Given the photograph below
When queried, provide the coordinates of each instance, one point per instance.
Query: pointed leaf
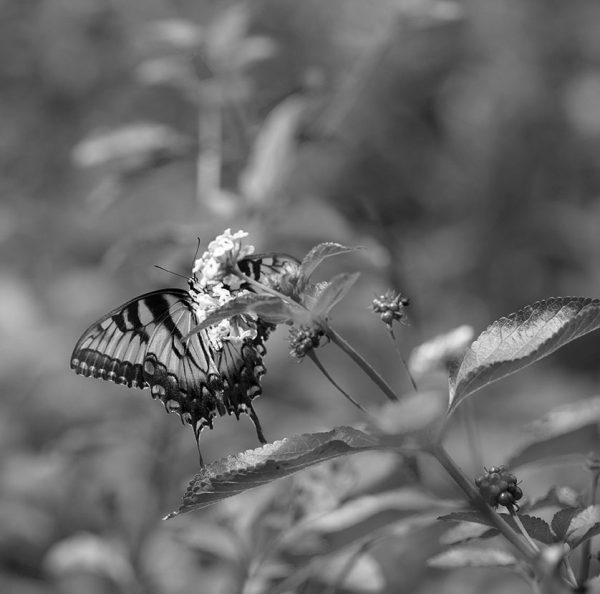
(585, 525)
(235, 474)
(536, 527)
(401, 502)
(270, 309)
(334, 292)
(466, 531)
(521, 339)
(560, 432)
(561, 521)
(472, 557)
(319, 253)
(561, 496)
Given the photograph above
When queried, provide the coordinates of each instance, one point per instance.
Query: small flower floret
(215, 282)
(218, 264)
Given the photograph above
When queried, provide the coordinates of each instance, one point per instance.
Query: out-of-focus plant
(540, 552)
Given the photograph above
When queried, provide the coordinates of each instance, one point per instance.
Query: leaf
(521, 339)
(235, 474)
(413, 414)
(273, 153)
(352, 572)
(536, 527)
(179, 34)
(465, 531)
(561, 496)
(472, 557)
(584, 525)
(131, 148)
(271, 309)
(319, 253)
(334, 292)
(562, 519)
(404, 501)
(560, 432)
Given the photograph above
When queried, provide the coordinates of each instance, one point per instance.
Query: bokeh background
(457, 142)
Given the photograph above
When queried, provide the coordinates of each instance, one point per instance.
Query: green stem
(586, 550)
(478, 503)
(395, 342)
(521, 528)
(313, 357)
(361, 362)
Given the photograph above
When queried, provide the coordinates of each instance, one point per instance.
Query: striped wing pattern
(140, 344)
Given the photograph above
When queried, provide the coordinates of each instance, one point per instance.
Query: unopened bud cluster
(390, 307)
(303, 340)
(499, 487)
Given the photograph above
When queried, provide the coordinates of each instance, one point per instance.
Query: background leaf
(235, 474)
(536, 527)
(584, 525)
(561, 432)
(319, 253)
(521, 339)
(472, 557)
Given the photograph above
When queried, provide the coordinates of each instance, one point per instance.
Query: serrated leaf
(521, 339)
(472, 557)
(235, 474)
(536, 527)
(335, 290)
(561, 521)
(584, 525)
(270, 309)
(560, 432)
(319, 253)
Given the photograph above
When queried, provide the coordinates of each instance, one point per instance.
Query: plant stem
(313, 357)
(395, 342)
(472, 434)
(586, 550)
(473, 496)
(524, 532)
(361, 362)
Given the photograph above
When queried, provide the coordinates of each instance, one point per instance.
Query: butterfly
(144, 344)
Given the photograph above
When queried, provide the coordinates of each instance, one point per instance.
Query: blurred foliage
(457, 141)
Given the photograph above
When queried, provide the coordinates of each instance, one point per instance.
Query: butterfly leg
(197, 436)
(255, 420)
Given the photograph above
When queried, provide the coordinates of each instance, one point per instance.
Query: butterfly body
(141, 344)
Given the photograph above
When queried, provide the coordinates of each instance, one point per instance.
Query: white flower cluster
(215, 265)
(217, 283)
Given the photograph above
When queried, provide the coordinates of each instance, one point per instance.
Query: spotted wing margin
(140, 344)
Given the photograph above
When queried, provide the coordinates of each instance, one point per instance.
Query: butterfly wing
(140, 344)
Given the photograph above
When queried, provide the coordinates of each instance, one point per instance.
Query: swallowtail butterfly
(141, 344)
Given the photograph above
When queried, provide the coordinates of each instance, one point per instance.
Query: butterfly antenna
(170, 271)
(255, 420)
